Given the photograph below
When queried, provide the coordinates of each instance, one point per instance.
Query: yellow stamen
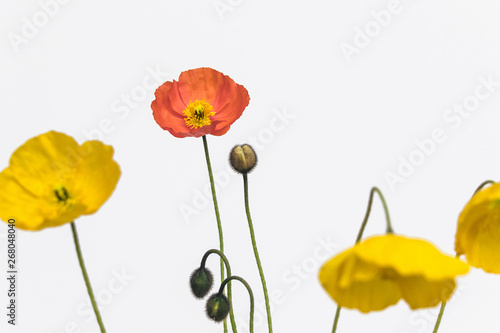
(198, 114)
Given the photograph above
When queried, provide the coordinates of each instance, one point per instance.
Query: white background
(327, 125)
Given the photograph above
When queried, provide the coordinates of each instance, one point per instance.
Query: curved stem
(228, 270)
(217, 215)
(256, 253)
(389, 229)
(483, 184)
(336, 320)
(86, 277)
(250, 293)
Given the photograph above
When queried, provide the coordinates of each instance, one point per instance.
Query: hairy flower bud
(218, 307)
(243, 158)
(201, 282)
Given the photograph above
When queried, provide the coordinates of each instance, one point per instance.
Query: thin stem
(228, 270)
(86, 277)
(440, 316)
(256, 253)
(389, 229)
(217, 215)
(336, 320)
(483, 184)
(250, 293)
(443, 304)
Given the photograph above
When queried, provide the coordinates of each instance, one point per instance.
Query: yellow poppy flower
(52, 180)
(380, 270)
(478, 230)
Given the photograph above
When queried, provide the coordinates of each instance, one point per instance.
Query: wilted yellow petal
(380, 270)
(355, 284)
(410, 256)
(419, 292)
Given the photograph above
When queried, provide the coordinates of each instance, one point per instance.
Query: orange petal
(232, 111)
(201, 83)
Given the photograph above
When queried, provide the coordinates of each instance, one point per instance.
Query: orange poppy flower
(203, 101)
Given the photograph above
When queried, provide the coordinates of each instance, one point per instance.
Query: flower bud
(201, 282)
(218, 307)
(243, 158)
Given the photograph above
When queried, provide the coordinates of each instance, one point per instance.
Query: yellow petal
(419, 292)
(484, 251)
(52, 180)
(410, 256)
(380, 270)
(358, 285)
(45, 160)
(478, 230)
(96, 177)
(18, 204)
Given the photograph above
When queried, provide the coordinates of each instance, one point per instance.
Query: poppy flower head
(203, 101)
(381, 270)
(52, 180)
(478, 230)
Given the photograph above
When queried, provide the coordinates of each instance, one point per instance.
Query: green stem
(250, 293)
(483, 184)
(389, 230)
(256, 253)
(217, 215)
(440, 316)
(86, 277)
(443, 304)
(229, 292)
(336, 320)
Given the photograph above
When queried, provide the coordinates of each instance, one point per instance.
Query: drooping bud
(201, 282)
(243, 158)
(218, 307)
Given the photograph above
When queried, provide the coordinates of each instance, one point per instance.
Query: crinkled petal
(96, 177)
(374, 295)
(478, 230)
(19, 204)
(45, 160)
(203, 83)
(410, 256)
(232, 111)
(355, 284)
(484, 251)
(420, 293)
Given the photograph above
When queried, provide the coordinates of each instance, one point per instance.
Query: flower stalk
(389, 230)
(86, 278)
(229, 289)
(256, 253)
(217, 215)
(250, 294)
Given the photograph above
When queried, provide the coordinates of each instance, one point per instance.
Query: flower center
(62, 195)
(197, 114)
